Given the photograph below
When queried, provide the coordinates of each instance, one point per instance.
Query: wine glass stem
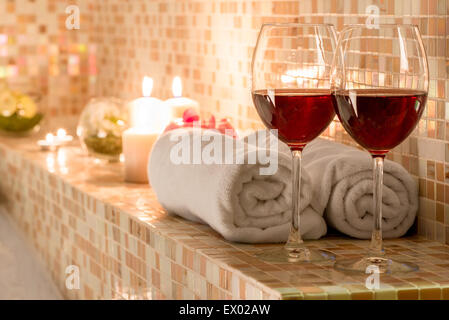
(295, 239)
(376, 248)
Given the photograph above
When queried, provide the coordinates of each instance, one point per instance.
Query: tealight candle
(50, 143)
(149, 117)
(62, 136)
(53, 142)
(178, 104)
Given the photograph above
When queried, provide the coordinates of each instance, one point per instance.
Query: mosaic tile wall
(38, 54)
(209, 44)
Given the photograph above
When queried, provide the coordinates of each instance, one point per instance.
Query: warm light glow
(50, 138)
(141, 204)
(102, 134)
(62, 158)
(62, 161)
(177, 87)
(147, 86)
(302, 76)
(51, 142)
(332, 129)
(61, 134)
(50, 160)
(353, 98)
(147, 112)
(319, 50)
(403, 51)
(150, 114)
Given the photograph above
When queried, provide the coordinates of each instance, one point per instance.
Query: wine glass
(380, 84)
(291, 70)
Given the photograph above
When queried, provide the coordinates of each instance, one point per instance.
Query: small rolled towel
(342, 180)
(236, 200)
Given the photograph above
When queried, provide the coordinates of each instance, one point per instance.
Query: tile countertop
(78, 211)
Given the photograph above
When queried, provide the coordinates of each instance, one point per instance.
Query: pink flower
(190, 118)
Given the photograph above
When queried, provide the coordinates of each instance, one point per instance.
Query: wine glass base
(297, 255)
(384, 265)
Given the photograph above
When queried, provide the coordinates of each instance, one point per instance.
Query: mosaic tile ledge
(78, 211)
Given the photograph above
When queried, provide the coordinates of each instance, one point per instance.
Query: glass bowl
(19, 112)
(101, 127)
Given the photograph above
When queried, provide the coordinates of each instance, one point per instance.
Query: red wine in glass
(299, 115)
(379, 119)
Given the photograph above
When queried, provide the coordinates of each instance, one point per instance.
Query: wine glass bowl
(379, 85)
(380, 119)
(291, 91)
(299, 115)
(291, 80)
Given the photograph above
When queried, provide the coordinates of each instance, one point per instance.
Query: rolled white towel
(236, 200)
(342, 181)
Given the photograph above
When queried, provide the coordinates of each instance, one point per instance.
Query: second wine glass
(380, 81)
(291, 92)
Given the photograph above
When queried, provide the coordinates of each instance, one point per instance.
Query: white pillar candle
(149, 117)
(178, 104)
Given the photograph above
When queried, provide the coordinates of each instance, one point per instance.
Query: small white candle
(62, 136)
(49, 144)
(149, 117)
(178, 104)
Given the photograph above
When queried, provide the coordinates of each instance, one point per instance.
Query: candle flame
(61, 133)
(147, 86)
(49, 138)
(177, 87)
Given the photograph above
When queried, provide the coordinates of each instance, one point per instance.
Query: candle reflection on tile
(62, 161)
(50, 160)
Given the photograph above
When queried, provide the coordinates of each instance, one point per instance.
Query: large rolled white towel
(342, 181)
(236, 200)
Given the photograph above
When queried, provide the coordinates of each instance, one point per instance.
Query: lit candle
(50, 143)
(179, 104)
(149, 117)
(62, 136)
